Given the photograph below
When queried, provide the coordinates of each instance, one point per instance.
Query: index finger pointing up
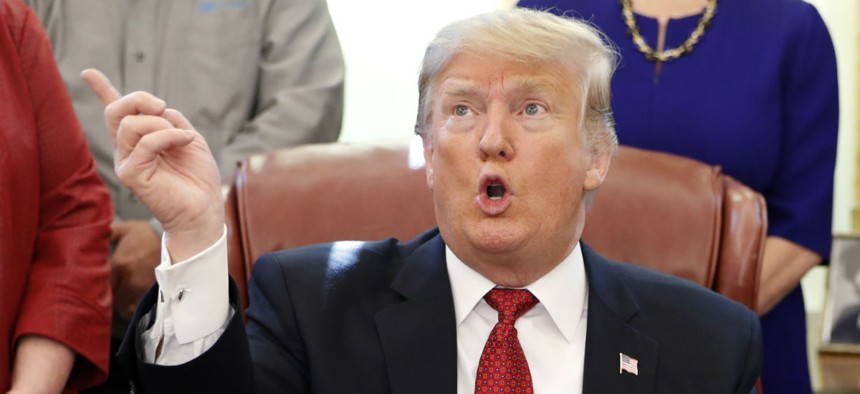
(100, 85)
(117, 107)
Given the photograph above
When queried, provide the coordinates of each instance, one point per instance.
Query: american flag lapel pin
(627, 364)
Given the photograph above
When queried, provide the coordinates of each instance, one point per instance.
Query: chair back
(665, 212)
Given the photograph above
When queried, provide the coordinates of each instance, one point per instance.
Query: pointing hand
(166, 163)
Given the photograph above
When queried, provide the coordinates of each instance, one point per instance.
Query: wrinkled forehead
(469, 74)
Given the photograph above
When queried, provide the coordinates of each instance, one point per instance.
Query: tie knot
(510, 303)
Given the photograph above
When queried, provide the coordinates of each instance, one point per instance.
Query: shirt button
(139, 56)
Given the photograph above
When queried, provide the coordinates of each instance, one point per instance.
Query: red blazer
(55, 212)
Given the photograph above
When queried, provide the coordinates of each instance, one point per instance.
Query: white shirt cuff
(197, 291)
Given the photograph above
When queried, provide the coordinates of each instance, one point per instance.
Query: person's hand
(161, 158)
(136, 253)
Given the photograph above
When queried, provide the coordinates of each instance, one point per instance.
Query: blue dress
(758, 96)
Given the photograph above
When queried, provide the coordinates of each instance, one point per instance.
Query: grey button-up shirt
(250, 75)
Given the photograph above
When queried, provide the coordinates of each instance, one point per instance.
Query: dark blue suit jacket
(378, 317)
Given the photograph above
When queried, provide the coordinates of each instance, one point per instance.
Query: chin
(495, 236)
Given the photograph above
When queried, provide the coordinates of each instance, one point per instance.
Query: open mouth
(495, 191)
(494, 196)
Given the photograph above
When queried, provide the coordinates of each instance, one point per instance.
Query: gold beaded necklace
(668, 54)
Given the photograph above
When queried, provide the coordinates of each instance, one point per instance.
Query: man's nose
(496, 141)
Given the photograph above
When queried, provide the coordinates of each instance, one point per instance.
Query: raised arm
(167, 164)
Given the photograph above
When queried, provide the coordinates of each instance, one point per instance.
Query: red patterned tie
(503, 367)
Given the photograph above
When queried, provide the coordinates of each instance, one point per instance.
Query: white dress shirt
(552, 333)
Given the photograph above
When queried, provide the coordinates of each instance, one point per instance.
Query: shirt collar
(563, 291)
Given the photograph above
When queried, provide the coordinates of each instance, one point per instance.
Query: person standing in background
(253, 75)
(750, 86)
(55, 215)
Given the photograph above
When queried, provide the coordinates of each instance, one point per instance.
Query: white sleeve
(193, 306)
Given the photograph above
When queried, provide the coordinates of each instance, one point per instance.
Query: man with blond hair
(502, 297)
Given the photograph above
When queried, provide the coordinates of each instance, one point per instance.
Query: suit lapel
(611, 309)
(418, 335)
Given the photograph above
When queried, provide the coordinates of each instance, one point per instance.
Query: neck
(668, 9)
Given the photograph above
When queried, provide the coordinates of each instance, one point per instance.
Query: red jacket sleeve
(67, 295)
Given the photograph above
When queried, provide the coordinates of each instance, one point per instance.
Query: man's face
(506, 161)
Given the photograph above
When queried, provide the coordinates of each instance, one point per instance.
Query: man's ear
(597, 170)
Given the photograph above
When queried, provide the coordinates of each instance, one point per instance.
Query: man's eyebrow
(461, 88)
(531, 86)
(518, 86)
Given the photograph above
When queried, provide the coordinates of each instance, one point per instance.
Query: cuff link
(178, 296)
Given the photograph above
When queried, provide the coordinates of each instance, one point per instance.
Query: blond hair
(524, 35)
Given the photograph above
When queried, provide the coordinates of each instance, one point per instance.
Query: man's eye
(461, 110)
(532, 109)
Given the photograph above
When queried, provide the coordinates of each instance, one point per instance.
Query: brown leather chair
(662, 211)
